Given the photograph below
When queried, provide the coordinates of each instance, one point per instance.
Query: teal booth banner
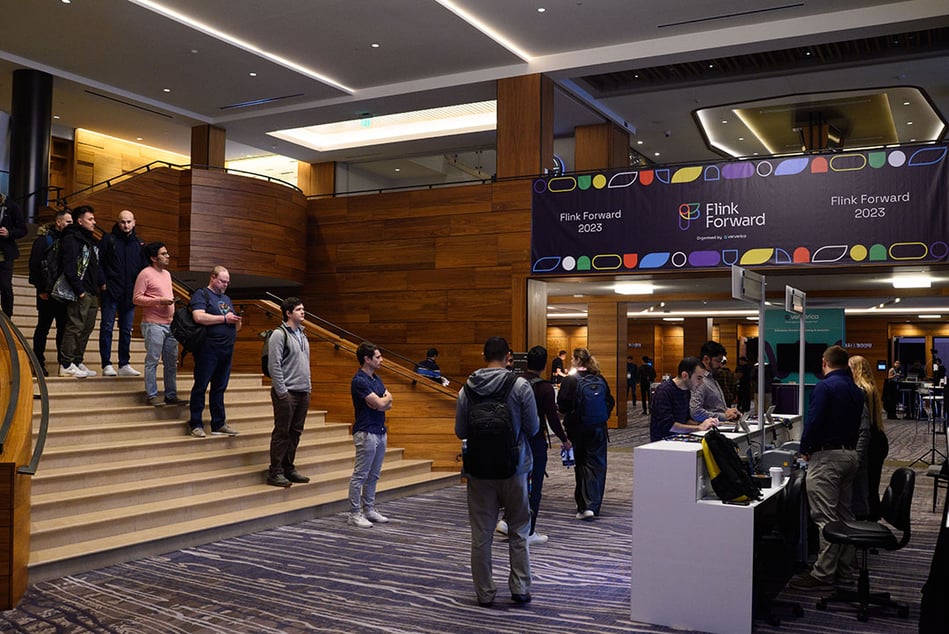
(782, 335)
(876, 206)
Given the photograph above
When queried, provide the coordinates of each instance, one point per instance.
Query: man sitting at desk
(670, 403)
(708, 400)
(829, 444)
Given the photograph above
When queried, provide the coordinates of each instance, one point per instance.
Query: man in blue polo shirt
(371, 401)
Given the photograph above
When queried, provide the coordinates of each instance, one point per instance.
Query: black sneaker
(521, 598)
(175, 401)
(278, 480)
(297, 477)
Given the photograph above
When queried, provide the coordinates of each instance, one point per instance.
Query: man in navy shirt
(371, 401)
(670, 403)
(829, 443)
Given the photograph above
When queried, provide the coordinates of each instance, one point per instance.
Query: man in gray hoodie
(288, 358)
(486, 494)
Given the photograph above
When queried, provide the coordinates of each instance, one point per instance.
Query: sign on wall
(823, 327)
(877, 206)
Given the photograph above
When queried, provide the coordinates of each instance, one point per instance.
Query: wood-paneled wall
(98, 157)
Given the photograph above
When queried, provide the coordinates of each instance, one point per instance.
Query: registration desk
(693, 556)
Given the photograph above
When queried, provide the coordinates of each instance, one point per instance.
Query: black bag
(51, 266)
(730, 478)
(189, 333)
(593, 400)
(492, 452)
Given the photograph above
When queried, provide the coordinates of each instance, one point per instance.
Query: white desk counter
(693, 556)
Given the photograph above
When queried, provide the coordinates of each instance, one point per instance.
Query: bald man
(122, 254)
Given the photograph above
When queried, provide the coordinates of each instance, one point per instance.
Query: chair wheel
(903, 611)
(821, 605)
(798, 611)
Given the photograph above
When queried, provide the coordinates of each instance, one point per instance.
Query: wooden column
(207, 145)
(695, 331)
(317, 179)
(601, 146)
(525, 138)
(606, 340)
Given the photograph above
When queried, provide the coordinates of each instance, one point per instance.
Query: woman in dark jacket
(878, 446)
(589, 439)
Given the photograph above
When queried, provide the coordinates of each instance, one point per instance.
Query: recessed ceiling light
(636, 76)
(56, 116)
(541, 10)
(909, 123)
(639, 142)
(673, 319)
(252, 74)
(741, 138)
(711, 65)
(930, 316)
(398, 169)
(912, 281)
(166, 89)
(905, 103)
(656, 154)
(724, 121)
(633, 288)
(375, 45)
(578, 295)
(138, 138)
(66, 1)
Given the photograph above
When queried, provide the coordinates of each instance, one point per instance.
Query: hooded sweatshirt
(520, 402)
(123, 258)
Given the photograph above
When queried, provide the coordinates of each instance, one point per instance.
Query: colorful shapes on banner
(622, 179)
(662, 175)
(781, 256)
(848, 162)
(687, 213)
(818, 165)
(630, 260)
(908, 251)
(878, 253)
(569, 263)
(646, 177)
(939, 250)
(599, 181)
(829, 253)
(858, 253)
(654, 260)
(927, 156)
(679, 259)
(546, 264)
(583, 263)
(705, 258)
(790, 167)
(540, 186)
(733, 171)
(561, 184)
(897, 158)
(756, 256)
(607, 262)
(802, 255)
(686, 174)
(876, 159)
(712, 173)
(584, 181)
(764, 169)
(729, 256)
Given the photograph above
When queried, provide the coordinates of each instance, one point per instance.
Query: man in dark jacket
(48, 309)
(829, 443)
(123, 256)
(80, 257)
(12, 228)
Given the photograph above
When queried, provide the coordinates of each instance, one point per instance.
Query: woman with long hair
(878, 445)
(589, 437)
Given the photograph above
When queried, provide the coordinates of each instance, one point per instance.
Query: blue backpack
(593, 404)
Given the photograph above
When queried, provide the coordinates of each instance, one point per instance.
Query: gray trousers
(830, 477)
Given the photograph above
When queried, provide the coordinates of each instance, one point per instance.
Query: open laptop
(742, 423)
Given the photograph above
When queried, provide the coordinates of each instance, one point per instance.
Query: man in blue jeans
(122, 256)
(211, 308)
(371, 401)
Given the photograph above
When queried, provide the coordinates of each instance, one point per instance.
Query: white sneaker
(501, 527)
(127, 370)
(82, 366)
(585, 515)
(376, 517)
(109, 371)
(536, 538)
(72, 370)
(359, 520)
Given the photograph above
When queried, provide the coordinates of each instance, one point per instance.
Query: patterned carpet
(412, 574)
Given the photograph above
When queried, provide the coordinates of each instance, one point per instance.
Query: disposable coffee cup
(777, 476)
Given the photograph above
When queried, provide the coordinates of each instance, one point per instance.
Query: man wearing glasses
(708, 400)
(670, 403)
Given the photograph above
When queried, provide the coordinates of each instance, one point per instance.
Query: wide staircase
(120, 480)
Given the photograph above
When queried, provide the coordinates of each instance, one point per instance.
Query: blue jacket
(833, 417)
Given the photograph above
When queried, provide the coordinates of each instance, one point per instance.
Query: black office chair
(864, 535)
(778, 551)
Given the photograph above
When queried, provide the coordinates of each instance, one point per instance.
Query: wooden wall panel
(525, 126)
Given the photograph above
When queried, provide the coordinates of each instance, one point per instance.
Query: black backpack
(730, 478)
(189, 333)
(265, 353)
(492, 452)
(593, 406)
(51, 266)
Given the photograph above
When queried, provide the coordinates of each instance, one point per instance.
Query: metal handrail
(10, 331)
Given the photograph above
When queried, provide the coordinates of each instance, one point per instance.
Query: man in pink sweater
(153, 292)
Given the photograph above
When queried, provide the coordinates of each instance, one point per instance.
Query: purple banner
(878, 206)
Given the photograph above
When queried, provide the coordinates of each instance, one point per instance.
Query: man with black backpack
(496, 416)
(44, 269)
(586, 402)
